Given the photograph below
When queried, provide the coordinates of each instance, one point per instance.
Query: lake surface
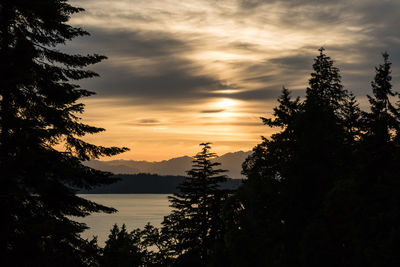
(135, 210)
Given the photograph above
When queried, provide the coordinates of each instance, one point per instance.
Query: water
(135, 210)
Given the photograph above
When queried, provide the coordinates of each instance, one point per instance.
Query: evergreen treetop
(384, 117)
(325, 82)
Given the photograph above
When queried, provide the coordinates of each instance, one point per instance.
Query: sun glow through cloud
(226, 103)
(180, 73)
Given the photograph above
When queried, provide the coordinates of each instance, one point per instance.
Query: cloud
(171, 81)
(173, 61)
(250, 47)
(265, 93)
(131, 43)
(251, 4)
(146, 65)
(149, 121)
(262, 78)
(212, 111)
(155, 64)
(297, 61)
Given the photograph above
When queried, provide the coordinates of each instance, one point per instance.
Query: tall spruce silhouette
(194, 225)
(290, 173)
(41, 150)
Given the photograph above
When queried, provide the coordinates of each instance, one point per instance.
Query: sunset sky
(183, 72)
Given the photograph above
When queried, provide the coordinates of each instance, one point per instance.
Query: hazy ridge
(175, 166)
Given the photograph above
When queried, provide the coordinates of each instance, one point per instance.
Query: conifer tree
(290, 173)
(325, 87)
(123, 248)
(194, 225)
(254, 214)
(41, 145)
(358, 222)
(352, 120)
(383, 119)
(379, 178)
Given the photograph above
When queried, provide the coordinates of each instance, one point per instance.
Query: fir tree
(41, 146)
(194, 225)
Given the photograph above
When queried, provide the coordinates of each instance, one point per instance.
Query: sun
(226, 103)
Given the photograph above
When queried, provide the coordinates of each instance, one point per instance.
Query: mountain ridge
(231, 161)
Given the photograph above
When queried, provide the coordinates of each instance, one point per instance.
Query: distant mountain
(144, 183)
(175, 166)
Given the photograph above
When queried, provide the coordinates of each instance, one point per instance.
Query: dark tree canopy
(304, 182)
(41, 145)
(123, 248)
(323, 191)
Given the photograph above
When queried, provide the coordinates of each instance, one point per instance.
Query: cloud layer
(176, 67)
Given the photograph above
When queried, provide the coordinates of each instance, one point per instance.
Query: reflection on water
(135, 210)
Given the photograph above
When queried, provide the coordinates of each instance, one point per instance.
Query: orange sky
(181, 73)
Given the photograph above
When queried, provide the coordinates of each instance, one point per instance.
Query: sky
(180, 73)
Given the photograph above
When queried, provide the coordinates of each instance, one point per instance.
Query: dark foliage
(41, 149)
(123, 248)
(290, 173)
(357, 224)
(322, 191)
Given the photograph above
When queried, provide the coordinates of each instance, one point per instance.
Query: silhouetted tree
(194, 226)
(290, 173)
(140, 247)
(352, 120)
(253, 215)
(383, 121)
(158, 252)
(41, 150)
(379, 180)
(325, 85)
(322, 155)
(123, 248)
(358, 222)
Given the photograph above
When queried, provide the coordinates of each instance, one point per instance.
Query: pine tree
(41, 146)
(195, 225)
